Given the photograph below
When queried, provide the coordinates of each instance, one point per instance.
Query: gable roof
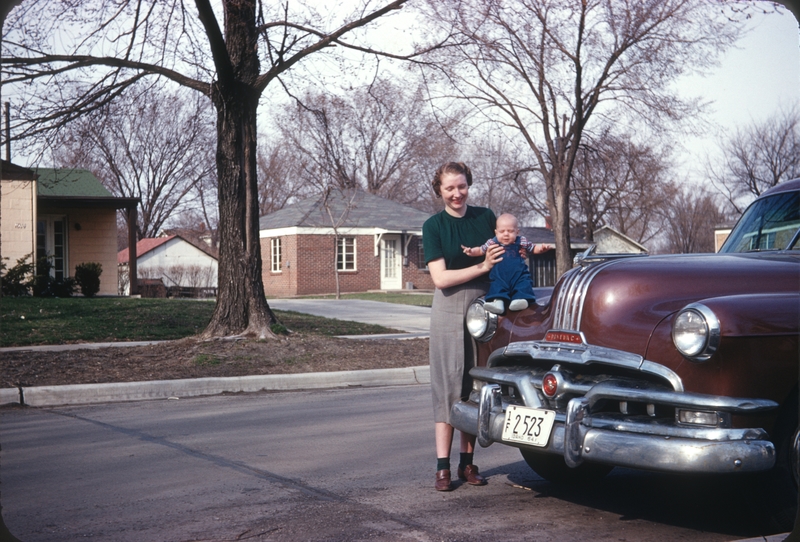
(365, 210)
(608, 230)
(143, 247)
(13, 172)
(150, 243)
(70, 182)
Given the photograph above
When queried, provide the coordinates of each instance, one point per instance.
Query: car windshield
(768, 224)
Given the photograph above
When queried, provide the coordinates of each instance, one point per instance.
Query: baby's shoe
(495, 306)
(518, 305)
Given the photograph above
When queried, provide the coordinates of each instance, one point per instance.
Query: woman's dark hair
(453, 168)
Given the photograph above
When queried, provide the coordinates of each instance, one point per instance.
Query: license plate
(529, 425)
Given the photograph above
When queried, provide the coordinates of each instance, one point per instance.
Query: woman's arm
(445, 278)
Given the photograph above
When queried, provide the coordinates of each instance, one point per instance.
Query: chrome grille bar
(569, 303)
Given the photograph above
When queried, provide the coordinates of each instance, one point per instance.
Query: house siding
(307, 267)
(19, 226)
(179, 263)
(95, 241)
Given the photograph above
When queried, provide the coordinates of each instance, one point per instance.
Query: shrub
(17, 281)
(44, 285)
(87, 275)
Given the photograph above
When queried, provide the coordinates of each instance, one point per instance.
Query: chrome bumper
(578, 435)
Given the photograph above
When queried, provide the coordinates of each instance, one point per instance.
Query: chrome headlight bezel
(481, 323)
(696, 332)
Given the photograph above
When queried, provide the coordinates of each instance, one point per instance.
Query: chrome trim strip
(569, 303)
(620, 390)
(583, 354)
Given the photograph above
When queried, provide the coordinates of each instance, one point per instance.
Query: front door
(391, 263)
(51, 242)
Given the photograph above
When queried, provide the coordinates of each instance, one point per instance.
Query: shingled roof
(70, 182)
(365, 211)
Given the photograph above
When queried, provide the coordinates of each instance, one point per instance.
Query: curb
(76, 394)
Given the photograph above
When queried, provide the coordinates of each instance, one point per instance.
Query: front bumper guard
(579, 435)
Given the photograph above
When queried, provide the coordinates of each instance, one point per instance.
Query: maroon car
(679, 363)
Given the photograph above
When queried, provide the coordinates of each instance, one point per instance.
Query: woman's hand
(493, 255)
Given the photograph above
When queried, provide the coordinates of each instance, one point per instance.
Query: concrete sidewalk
(414, 321)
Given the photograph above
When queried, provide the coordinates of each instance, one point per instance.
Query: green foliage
(87, 276)
(45, 285)
(206, 360)
(279, 329)
(17, 281)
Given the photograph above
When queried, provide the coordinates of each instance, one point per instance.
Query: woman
(458, 279)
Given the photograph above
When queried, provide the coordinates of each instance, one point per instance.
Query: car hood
(627, 298)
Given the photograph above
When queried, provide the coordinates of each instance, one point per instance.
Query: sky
(755, 80)
(753, 83)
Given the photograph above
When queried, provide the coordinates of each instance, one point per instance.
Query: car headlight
(481, 324)
(695, 332)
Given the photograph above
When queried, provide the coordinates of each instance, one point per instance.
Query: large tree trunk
(242, 307)
(241, 304)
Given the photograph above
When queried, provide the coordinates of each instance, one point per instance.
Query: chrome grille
(569, 303)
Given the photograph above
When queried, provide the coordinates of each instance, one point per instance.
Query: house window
(346, 254)
(275, 254)
(421, 255)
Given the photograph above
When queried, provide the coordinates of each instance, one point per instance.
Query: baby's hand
(467, 250)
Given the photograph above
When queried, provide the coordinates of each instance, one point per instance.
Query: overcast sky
(755, 80)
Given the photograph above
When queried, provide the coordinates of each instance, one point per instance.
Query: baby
(511, 279)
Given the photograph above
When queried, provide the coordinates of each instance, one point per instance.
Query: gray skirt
(451, 348)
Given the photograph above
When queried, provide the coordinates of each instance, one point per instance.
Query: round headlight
(480, 323)
(695, 332)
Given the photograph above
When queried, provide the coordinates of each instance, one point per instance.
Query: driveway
(415, 321)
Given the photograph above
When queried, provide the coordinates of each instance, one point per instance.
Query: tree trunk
(242, 307)
(560, 220)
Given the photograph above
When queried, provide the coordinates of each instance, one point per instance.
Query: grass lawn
(28, 321)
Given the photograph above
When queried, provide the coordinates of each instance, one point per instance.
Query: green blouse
(443, 235)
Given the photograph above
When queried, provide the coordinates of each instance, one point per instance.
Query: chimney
(548, 222)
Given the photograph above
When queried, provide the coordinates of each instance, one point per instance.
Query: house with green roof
(372, 242)
(65, 214)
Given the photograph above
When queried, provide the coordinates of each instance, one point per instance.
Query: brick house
(64, 214)
(379, 246)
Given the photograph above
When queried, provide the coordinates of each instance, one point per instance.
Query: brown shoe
(443, 481)
(470, 474)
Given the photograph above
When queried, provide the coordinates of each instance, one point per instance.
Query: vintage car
(676, 363)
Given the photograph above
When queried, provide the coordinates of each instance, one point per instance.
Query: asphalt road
(346, 464)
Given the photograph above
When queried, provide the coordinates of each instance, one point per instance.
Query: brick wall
(308, 267)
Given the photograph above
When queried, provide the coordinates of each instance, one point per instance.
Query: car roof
(786, 186)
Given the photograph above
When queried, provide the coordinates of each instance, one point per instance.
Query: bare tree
(690, 221)
(496, 166)
(377, 137)
(151, 144)
(758, 157)
(545, 68)
(281, 171)
(338, 202)
(230, 52)
(619, 183)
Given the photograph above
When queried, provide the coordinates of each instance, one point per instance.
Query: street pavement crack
(243, 468)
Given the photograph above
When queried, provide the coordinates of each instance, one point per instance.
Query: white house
(174, 265)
